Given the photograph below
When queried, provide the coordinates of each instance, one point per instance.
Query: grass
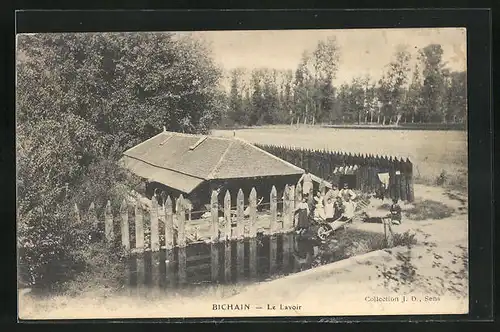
(424, 210)
(354, 242)
(428, 209)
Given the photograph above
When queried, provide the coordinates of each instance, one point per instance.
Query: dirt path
(433, 273)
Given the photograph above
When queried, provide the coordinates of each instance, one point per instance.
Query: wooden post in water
(252, 261)
(298, 197)
(124, 225)
(108, 223)
(125, 236)
(139, 246)
(287, 226)
(155, 242)
(227, 236)
(181, 238)
(273, 245)
(214, 244)
(240, 252)
(169, 242)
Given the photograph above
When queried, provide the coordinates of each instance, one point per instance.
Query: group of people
(334, 205)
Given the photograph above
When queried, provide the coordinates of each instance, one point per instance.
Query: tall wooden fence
(330, 165)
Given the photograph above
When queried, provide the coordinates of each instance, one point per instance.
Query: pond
(257, 259)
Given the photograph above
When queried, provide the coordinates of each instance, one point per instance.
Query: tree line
(427, 93)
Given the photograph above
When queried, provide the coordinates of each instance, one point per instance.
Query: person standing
(307, 183)
(346, 192)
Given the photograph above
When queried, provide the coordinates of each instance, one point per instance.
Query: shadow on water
(237, 263)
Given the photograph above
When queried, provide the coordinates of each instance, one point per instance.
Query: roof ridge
(269, 154)
(198, 135)
(162, 167)
(211, 175)
(149, 139)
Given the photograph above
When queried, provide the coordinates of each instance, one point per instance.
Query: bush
(53, 246)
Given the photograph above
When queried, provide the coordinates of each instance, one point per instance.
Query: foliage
(82, 99)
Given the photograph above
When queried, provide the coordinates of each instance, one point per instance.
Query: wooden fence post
(214, 244)
(139, 245)
(402, 169)
(124, 225)
(125, 236)
(252, 202)
(181, 238)
(287, 216)
(273, 245)
(91, 214)
(169, 241)
(228, 235)
(389, 235)
(287, 226)
(108, 223)
(298, 194)
(155, 242)
(273, 210)
(76, 213)
(240, 245)
(409, 180)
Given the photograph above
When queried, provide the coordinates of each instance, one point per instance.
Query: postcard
(249, 173)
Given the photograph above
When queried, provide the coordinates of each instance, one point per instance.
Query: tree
(457, 97)
(236, 111)
(325, 61)
(82, 99)
(301, 90)
(392, 85)
(431, 58)
(413, 101)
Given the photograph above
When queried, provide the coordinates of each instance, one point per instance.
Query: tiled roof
(203, 158)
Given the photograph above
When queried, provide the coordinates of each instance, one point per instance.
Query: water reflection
(261, 258)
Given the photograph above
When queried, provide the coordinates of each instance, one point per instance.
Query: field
(431, 152)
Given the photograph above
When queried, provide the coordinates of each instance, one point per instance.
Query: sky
(363, 51)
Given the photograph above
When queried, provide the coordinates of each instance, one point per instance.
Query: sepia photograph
(242, 173)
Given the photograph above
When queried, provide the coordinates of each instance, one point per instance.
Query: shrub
(53, 246)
